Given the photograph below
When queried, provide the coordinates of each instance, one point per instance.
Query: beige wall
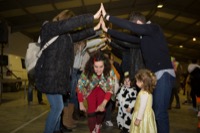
(17, 44)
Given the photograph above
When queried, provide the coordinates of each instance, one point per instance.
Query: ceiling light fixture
(181, 46)
(160, 5)
(194, 39)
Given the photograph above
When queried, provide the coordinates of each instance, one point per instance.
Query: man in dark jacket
(156, 58)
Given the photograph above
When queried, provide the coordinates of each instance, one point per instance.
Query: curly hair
(97, 56)
(148, 78)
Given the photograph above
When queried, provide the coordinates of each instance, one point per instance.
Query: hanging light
(160, 5)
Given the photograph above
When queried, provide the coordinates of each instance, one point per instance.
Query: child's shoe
(109, 123)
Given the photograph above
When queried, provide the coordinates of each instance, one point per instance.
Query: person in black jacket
(131, 56)
(156, 58)
(54, 67)
(194, 71)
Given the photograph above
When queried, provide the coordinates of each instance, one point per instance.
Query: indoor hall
(21, 21)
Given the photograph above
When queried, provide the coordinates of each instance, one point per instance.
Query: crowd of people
(75, 68)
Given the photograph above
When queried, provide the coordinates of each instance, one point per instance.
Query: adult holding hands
(156, 58)
(53, 68)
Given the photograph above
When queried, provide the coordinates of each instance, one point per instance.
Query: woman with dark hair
(71, 110)
(96, 85)
(54, 67)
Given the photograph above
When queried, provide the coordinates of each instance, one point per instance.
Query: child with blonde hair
(143, 120)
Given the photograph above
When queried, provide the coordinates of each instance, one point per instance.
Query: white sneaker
(109, 123)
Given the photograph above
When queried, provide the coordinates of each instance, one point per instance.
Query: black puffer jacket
(54, 67)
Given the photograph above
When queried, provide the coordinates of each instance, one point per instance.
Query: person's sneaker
(97, 128)
(109, 123)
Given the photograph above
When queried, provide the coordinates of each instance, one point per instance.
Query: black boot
(63, 128)
(76, 114)
(82, 114)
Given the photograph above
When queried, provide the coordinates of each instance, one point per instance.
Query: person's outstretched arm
(124, 36)
(140, 29)
(85, 33)
(61, 27)
(120, 35)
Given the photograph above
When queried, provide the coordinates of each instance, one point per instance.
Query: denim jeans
(31, 86)
(161, 99)
(30, 94)
(73, 97)
(54, 116)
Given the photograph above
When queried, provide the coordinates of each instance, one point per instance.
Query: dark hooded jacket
(131, 57)
(53, 68)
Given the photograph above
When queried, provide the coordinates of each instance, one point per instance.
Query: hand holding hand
(103, 10)
(98, 14)
(103, 26)
(97, 27)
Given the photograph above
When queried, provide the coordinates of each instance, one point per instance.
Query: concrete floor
(17, 117)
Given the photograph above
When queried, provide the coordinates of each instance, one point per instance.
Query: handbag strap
(46, 45)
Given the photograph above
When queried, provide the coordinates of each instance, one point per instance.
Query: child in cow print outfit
(125, 101)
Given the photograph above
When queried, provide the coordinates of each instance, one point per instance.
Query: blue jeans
(73, 97)
(161, 99)
(53, 118)
(31, 86)
(30, 94)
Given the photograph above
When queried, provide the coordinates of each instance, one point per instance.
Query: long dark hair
(97, 56)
